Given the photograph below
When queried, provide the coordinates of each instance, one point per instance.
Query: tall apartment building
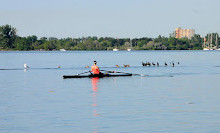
(181, 33)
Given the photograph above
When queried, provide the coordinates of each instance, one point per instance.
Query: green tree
(7, 36)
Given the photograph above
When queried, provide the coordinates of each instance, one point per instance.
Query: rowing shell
(97, 75)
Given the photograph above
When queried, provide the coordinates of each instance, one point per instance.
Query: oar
(142, 75)
(114, 72)
(83, 73)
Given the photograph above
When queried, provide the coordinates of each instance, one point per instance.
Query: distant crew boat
(206, 49)
(115, 49)
(62, 49)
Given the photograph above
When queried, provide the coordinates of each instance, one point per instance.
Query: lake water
(183, 98)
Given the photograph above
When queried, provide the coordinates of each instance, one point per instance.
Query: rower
(95, 69)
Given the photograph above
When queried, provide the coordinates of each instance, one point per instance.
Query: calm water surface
(184, 98)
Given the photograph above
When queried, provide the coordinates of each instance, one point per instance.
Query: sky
(109, 18)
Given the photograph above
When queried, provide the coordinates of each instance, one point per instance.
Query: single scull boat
(97, 75)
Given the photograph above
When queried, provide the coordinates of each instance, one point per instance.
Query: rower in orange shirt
(95, 69)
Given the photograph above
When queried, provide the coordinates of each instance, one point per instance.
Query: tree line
(9, 40)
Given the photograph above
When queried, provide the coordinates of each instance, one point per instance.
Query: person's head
(95, 62)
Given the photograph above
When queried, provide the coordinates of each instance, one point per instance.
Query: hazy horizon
(105, 18)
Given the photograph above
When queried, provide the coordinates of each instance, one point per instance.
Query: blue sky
(109, 18)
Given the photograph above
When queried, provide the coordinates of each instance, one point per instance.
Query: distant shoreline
(94, 50)
(10, 41)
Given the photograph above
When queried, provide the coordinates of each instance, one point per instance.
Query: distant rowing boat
(115, 49)
(62, 49)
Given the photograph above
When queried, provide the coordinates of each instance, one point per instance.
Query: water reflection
(95, 82)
